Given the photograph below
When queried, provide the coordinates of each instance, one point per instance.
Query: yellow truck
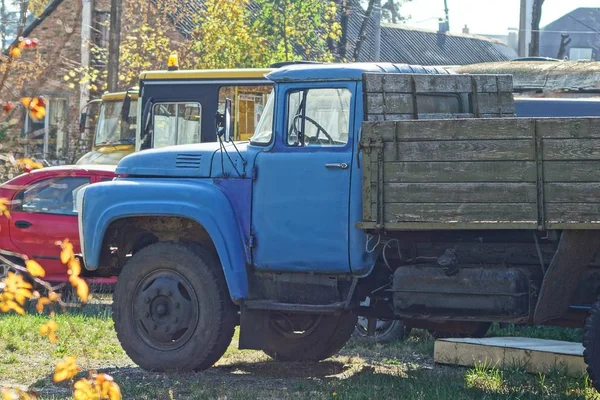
(114, 134)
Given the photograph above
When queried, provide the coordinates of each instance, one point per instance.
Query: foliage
(293, 27)
(18, 288)
(224, 39)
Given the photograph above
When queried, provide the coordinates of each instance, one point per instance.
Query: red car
(42, 210)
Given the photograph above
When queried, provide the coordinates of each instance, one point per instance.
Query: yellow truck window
(176, 123)
(248, 106)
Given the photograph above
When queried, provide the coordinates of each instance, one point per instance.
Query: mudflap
(253, 329)
(575, 252)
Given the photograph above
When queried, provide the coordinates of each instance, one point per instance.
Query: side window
(249, 104)
(439, 103)
(51, 196)
(176, 123)
(318, 117)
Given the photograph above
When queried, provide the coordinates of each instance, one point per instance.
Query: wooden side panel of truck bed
(502, 173)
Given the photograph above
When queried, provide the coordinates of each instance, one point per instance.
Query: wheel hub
(165, 310)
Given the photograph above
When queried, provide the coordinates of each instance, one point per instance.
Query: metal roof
(417, 46)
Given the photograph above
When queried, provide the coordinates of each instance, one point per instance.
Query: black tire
(591, 345)
(322, 335)
(387, 332)
(172, 309)
(475, 330)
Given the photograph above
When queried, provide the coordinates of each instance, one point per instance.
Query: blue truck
(410, 186)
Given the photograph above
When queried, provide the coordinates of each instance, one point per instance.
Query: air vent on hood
(188, 160)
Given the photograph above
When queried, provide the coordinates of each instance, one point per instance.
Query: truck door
(300, 208)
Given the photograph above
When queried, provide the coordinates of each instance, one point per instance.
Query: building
(403, 44)
(583, 27)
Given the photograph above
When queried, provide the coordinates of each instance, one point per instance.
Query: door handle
(23, 224)
(338, 165)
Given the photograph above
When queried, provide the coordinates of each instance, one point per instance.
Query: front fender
(199, 201)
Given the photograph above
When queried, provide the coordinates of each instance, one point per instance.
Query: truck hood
(194, 161)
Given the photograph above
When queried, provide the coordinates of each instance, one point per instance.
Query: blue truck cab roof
(347, 72)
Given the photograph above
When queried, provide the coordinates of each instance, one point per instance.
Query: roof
(544, 75)
(119, 96)
(67, 168)
(241, 73)
(403, 44)
(350, 71)
(580, 17)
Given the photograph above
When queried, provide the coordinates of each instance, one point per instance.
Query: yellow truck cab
(114, 136)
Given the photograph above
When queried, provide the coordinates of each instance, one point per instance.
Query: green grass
(362, 370)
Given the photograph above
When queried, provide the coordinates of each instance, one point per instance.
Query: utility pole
(114, 44)
(447, 11)
(377, 21)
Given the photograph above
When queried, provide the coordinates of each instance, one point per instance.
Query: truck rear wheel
(172, 310)
(308, 337)
(591, 344)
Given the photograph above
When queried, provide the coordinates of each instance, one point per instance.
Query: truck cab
(409, 185)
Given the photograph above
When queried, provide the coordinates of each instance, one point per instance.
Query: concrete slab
(535, 355)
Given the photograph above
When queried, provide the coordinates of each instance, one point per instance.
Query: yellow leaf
(35, 269)
(44, 330)
(67, 251)
(74, 267)
(83, 291)
(43, 301)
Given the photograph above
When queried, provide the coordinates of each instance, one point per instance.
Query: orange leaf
(53, 296)
(67, 251)
(15, 52)
(74, 267)
(83, 291)
(35, 269)
(43, 301)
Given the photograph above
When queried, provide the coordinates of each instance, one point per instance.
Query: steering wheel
(316, 125)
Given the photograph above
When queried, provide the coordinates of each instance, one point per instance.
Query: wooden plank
(582, 192)
(571, 149)
(489, 171)
(474, 150)
(569, 128)
(442, 83)
(460, 212)
(454, 129)
(391, 103)
(493, 103)
(459, 192)
(394, 83)
(571, 213)
(366, 184)
(422, 116)
(535, 355)
(571, 171)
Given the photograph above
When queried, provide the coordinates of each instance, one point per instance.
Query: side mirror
(228, 123)
(82, 122)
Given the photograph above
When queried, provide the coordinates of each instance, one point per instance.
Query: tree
(297, 29)
(391, 11)
(114, 44)
(225, 38)
(536, 17)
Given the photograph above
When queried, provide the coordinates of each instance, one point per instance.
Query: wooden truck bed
(479, 173)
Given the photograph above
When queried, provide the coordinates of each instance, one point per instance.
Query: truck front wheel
(171, 308)
(308, 337)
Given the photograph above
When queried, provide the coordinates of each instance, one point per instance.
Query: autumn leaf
(35, 269)
(41, 303)
(67, 251)
(65, 369)
(49, 329)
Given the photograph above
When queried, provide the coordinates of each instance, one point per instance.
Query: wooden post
(114, 45)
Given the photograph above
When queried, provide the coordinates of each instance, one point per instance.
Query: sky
(484, 16)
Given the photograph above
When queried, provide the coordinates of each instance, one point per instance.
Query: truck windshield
(110, 129)
(264, 129)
